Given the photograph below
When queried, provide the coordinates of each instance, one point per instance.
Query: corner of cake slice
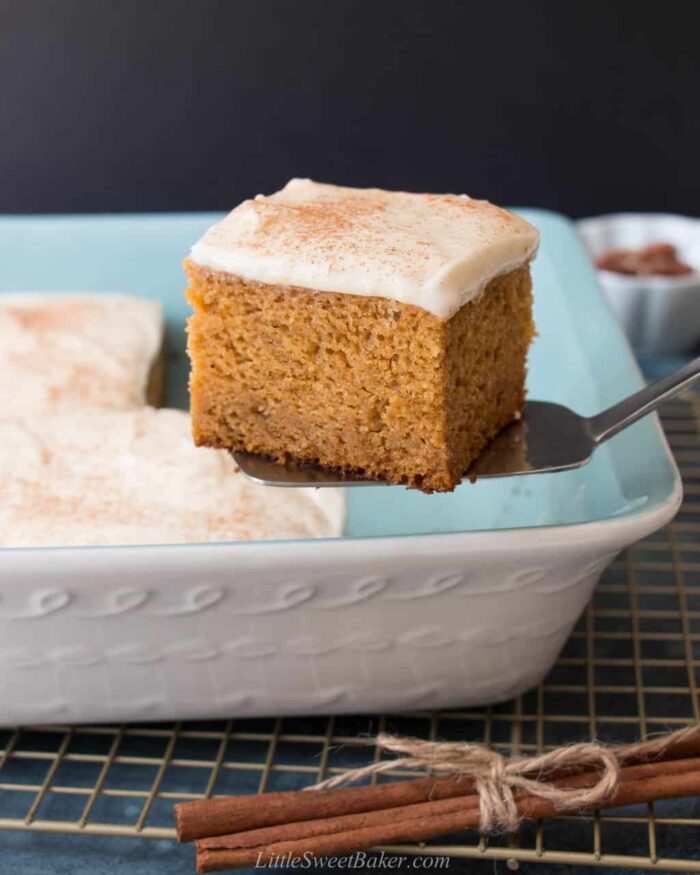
(366, 330)
(65, 351)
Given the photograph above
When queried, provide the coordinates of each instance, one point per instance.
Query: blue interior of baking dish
(580, 358)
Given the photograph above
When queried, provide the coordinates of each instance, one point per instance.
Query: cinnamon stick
(629, 792)
(225, 815)
(228, 814)
(307, 829)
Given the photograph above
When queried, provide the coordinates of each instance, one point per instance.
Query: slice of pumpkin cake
(367, 330)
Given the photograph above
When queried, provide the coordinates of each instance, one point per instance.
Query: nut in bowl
(656, 299)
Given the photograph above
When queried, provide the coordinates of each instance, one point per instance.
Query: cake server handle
(608, 423)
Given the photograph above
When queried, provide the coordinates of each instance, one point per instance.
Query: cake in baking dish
(61, 351)
(367, 330)
(95, 477)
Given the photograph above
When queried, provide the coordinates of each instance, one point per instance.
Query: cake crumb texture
(356, 382)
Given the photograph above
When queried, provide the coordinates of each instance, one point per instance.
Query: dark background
(114, 105)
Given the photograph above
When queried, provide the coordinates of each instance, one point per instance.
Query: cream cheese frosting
(433, 251)
(100, 477)
(59, 350)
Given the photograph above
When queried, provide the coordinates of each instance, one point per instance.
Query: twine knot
(498, 779)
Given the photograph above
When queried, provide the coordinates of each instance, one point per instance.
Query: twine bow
(498, 778)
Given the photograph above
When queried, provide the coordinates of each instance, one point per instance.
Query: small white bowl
(660, 314)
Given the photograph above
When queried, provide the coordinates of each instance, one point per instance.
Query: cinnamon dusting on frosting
(435, 251)
(96, 477)
(61, 350)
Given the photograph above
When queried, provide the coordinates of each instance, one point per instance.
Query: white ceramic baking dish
(428, 602)
(660, 314)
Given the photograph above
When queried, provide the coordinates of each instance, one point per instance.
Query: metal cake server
(548, 437)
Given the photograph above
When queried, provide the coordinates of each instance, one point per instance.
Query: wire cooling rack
(631, 668)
